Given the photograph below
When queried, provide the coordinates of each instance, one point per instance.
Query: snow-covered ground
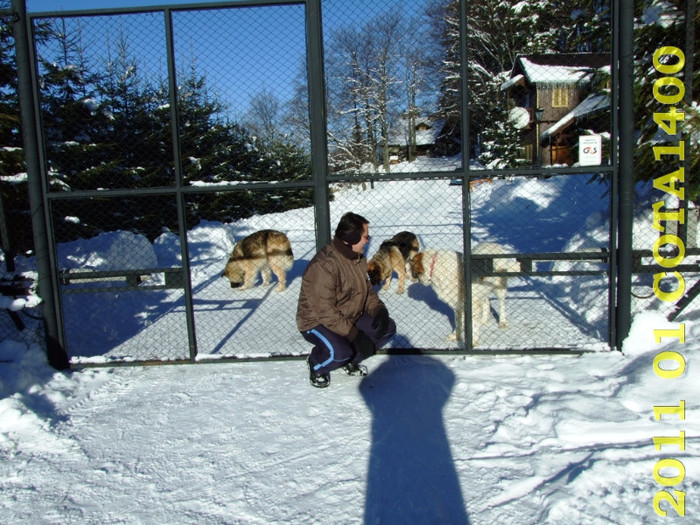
(526, 439)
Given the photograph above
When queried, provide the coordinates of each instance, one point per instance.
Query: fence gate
(166, 135)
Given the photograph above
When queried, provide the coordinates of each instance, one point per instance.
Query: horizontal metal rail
(173, 278)
(483, 264)
(203, 360)
(639, 267)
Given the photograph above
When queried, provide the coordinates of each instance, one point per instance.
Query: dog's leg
(409, 271)
(401, 271)
(459, 326)
(387, 282)
(485, 306)
(281, 275)
(250, 275)
(475, 337)
(501, 294)
(248, 280)
(266, 274)
(481, 304)
(481, 307)
(477, 315)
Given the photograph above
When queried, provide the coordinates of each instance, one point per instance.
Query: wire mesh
(522, 107)
(523, 229)
(171, 136)
(665, 239)
(117, 298)
(237, 313)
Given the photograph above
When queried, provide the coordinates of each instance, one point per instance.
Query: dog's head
(374, 272)
(418, 267)
(235, 273)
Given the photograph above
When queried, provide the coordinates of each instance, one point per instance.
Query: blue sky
(70, 5)
(362, 9)
(241, 52)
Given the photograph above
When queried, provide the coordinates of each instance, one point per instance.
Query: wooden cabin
(552, 100)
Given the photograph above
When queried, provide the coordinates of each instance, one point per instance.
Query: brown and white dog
(394, 255)
(264, 252)
(442, 269)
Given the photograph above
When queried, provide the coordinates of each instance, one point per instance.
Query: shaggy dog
(264, 252)
(442, 269)
(394, 255)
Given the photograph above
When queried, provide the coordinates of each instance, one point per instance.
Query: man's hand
(381, 322)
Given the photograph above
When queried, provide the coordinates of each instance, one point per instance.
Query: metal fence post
(466, 188)
(55, 352)
(317, 118)
(623, 312)
(177, 162)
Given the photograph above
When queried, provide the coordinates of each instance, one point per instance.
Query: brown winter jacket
(335, 291)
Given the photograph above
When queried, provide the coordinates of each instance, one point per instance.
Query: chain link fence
(550, 260)
(170, 136)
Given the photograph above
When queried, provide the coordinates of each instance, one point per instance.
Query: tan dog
(394, 255)
(264, 252)
(442, 269)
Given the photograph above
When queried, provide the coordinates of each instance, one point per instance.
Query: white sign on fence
(590, 150)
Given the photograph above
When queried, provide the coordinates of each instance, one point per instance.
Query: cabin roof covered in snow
(590, 105)
(567, 68)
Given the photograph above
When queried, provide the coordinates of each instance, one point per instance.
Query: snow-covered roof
(566, 69)
(549, 74)
(591, 104)
(512, 81)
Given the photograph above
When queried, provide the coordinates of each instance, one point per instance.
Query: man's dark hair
(350, 228)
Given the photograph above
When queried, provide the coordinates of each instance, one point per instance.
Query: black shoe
(316, 379)
(353, 369)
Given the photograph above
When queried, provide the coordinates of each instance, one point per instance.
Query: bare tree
(364, 71)
(264, 116)
(384, 78)
(416, 82)
(352, 129)
(296, 112)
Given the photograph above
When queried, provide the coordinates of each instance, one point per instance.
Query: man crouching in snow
(338, 311)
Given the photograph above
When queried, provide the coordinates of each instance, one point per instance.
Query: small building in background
(554, 99)
(420, 135)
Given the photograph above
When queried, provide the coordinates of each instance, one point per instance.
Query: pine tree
(583, 26)
(659, 24)
(501, 143)
(16, 232)
(14, 199)
(72, 122)
(112, 129)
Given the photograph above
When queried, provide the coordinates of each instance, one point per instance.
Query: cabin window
(560, 97)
